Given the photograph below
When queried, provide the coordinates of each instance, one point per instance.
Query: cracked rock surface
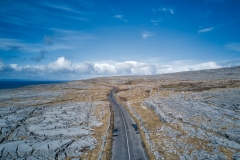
(48, 123)
(46, 132)
(187, 115)
(212, 117)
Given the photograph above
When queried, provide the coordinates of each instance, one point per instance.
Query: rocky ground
(63, 121)
(189, 115)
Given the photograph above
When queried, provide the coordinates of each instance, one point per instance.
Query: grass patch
(99, 132)
(117, 90)
(142, 135)
(227, 152)
(107, 154)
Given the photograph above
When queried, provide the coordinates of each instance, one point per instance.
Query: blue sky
(77, 39)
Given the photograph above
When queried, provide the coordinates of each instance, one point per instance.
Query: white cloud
(146, 34)
(7, 68)
(156, 21)
(167, 10)
(205, 30)
(63, 68)
(233, 46)
(14, 66)
(121, 17)
(118, 16)
(61, 64)
(65, 7)
(62, 7)
(69, 37)
(104, 68)
(201, 66)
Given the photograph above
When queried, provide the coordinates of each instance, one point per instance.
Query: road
(127, 144)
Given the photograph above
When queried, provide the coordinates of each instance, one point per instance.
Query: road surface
(127, 144)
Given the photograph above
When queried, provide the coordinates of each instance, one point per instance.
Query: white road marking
(124, 126)
(126, 134)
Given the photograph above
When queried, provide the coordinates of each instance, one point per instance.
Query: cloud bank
(61, 68)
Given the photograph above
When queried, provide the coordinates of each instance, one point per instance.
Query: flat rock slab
(58, 131)
(211, 116)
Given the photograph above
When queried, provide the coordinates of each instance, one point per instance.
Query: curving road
(127, 144)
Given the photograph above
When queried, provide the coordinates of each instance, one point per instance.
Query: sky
(78, 39)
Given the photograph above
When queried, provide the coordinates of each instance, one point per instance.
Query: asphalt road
(127, 144)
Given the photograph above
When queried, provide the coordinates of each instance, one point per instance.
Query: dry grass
(152, 122)
(94, 93)
(165, 94)
(154, 91)
(120, 90)
(107, 154)
(23, 137)
(198, 144)
(227, 152)
(71, 95)
(142, 134)
(135, 92)
(193, 86)
(99, 132)
(123, 99)
(150, 119)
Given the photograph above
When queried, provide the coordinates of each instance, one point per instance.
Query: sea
(10, 84)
